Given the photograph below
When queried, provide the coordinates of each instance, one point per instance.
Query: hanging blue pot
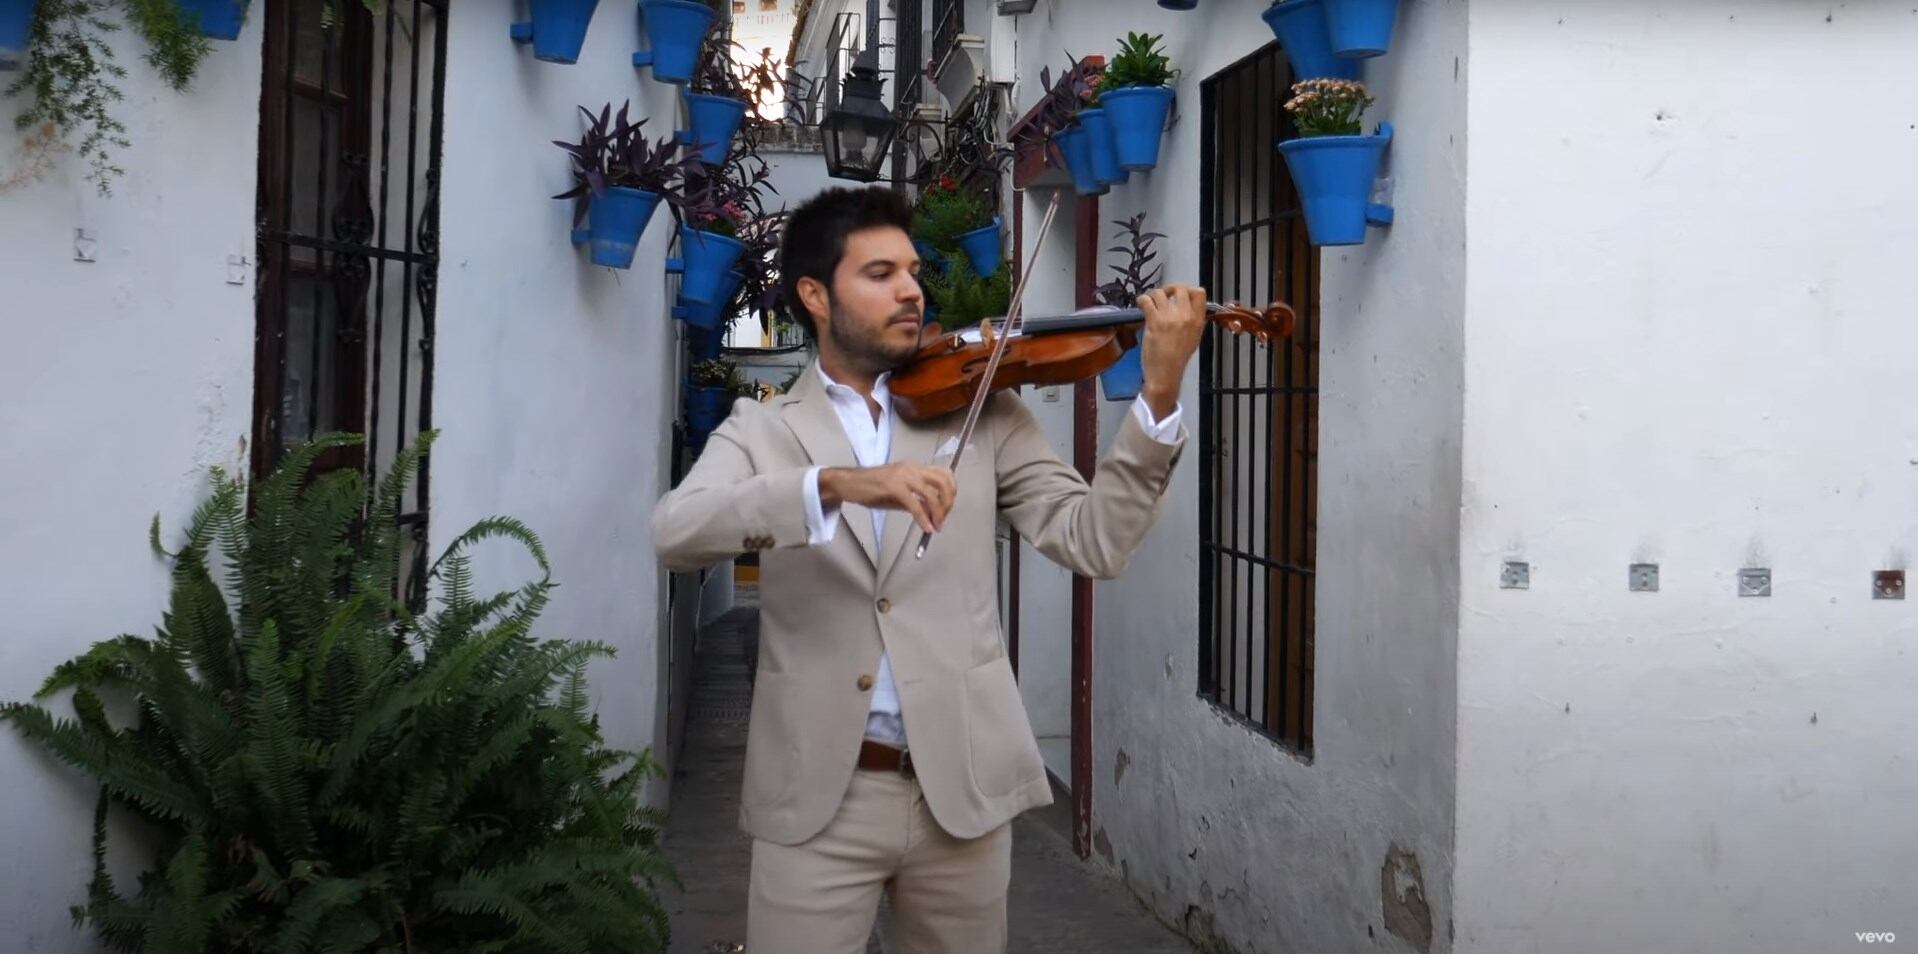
(557, 29)
(1076, 146)
(1179, 4)
(705, 408)
(714, 120)
(1360, 28)
(1137, 115)
(615, 221)
(705, 257)
(982, 247)
(219, 19)
(674, 31)
(1334, 176)
(710, 315)
(1102, 145)
(1123, 381)
(1301, 28)
(16, 27)
(704, 343)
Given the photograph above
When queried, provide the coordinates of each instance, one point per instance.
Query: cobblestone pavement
(1058, 904)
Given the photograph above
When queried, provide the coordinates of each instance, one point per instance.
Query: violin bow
(1014, 317)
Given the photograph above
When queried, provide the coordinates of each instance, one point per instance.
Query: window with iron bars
(1259, 414)
(348, 241)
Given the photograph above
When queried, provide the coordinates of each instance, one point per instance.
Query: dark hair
(815, 238)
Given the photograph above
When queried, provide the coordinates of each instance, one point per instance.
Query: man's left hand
(1175, 318)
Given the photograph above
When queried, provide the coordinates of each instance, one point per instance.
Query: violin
(962, 369)
(947, 373)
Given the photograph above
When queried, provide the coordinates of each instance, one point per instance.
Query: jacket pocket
(772, 753)
(1003, 753)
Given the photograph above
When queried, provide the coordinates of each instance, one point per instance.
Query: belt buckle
(905, 763)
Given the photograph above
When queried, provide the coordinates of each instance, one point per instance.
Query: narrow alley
(1059, 905)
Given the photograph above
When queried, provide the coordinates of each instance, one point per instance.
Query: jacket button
(865, 683)
(885, 606)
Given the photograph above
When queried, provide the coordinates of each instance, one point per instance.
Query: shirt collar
(879, 389)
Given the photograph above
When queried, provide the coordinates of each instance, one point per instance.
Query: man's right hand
(923, 491)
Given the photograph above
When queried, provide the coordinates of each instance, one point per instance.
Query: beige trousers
(948, 894)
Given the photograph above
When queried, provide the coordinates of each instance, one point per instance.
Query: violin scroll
(1276, 320)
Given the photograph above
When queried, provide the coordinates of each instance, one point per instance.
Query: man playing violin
(888, 748)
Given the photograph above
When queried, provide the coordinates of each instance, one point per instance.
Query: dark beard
(865, 355)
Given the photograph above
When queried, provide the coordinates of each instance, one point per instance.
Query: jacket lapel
(911, 443)
(809, 413)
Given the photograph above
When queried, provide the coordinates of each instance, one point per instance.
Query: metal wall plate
(1888, 585)
(1515, 576)
(1644, 578)
(1753, 581)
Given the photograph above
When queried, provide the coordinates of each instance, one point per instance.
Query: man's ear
(814, 298)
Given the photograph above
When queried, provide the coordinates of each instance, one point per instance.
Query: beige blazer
(826, 612)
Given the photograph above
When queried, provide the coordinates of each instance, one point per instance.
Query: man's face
(876, 302)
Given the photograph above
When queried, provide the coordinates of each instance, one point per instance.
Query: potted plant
(555, 28)
(951, 219)
(311, 764)
(715, 204)
(675, 30)
(1137, 97)
(717, 101)
(1303, 32)
(711, 387)
(1122, 381)
(960, 296)
(1361, 28)
(16, 27)
(618, 180)
(1059, 111)
(1102, 146)
(1333, 166)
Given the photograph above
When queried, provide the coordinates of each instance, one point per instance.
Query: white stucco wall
(556, 380)
(1690, 344)
(123, 379)
(1218, 829)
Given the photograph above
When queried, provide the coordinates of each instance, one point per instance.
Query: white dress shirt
(871, 446)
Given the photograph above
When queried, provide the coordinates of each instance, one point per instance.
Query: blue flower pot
(674, 31)
(981, 246)
(1137, 115)
(714, 120)
(1123, 381)
(1179, 4)
(1333, 176)
(710, 315)
(705, 257)
(1104, 148)
(219, 19)
(704, 343)
(1301, 28)
(615, 221)
(705, 408)
(16, 27)
(1360, 28)
(1075, 145)
(557, 29)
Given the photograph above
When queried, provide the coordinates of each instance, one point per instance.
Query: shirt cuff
(820, 526)
(1166, 431)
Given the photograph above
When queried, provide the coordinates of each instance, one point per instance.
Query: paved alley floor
(1058, 904)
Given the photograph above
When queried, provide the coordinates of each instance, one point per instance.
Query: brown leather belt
(880, 757)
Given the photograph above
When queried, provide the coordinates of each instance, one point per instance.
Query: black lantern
(860, 132)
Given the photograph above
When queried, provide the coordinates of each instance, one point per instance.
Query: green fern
(323, 770)
(962, 297)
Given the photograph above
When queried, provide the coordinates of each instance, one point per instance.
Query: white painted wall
(122, 381)
(1690, 344)
(1214, 826)
(556, 379)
